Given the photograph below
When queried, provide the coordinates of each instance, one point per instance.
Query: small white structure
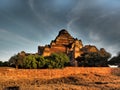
(113, 66)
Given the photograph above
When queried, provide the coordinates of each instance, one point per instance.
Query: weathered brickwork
(65, 43)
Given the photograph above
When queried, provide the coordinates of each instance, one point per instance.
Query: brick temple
(65, 43)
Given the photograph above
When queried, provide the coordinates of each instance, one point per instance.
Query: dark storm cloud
(26, 23)
(53, 13)
(99, 20)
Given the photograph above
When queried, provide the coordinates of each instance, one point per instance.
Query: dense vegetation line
(59, 60)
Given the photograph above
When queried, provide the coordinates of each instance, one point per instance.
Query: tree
(40, 61)
(104, 54)
(57, 60)
(17, 60)
(30, 62)
(115, 60)
(1, 63)
(14, 61)
(92, 59)
(5, 63)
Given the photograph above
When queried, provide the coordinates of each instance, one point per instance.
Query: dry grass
(82, 81)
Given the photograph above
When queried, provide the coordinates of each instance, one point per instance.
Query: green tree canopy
(57, 60)
(41, 61)
(30, 62)
(93, 59)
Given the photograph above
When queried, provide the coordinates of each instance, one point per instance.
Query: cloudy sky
(25, 24)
